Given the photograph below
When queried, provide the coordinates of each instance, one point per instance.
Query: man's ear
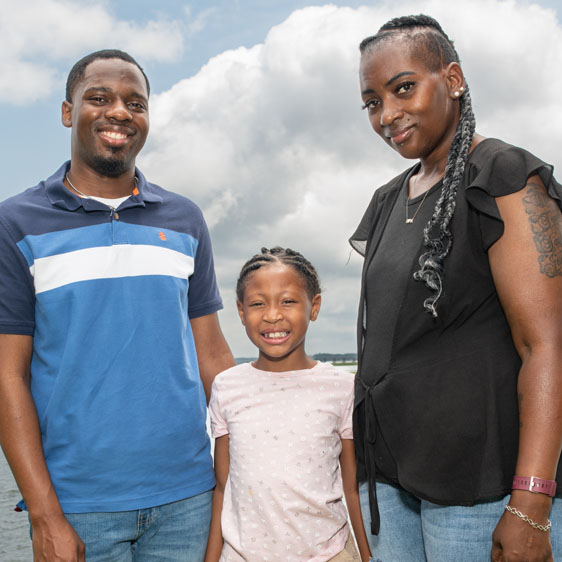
(66, 114)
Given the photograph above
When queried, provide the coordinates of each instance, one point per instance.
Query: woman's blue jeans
(414, 530)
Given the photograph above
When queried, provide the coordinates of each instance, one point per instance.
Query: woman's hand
(514, 540)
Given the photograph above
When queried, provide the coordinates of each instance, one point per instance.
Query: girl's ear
(315, 309)
(455, 80)
(240, 308)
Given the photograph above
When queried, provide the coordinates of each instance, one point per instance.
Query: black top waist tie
(369, 441)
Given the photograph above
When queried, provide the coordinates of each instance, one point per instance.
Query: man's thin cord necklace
(89, 196)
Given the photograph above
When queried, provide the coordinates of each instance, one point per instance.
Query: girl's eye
(404, 88)
(371, 105)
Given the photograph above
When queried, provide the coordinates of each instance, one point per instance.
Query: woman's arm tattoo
(546, 224)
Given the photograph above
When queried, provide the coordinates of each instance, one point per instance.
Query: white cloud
(271, 142)
(198, 22)
(36, 34)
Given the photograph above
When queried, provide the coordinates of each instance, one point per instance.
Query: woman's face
(415, 110)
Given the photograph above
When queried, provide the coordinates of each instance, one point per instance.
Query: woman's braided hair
(431, 42)
(285, 256)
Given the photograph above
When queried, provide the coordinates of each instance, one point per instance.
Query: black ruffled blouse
(441, 419)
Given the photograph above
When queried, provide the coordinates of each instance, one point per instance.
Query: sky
(256, 114)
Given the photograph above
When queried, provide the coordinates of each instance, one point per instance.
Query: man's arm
(213, 353)
(54, 539)
(526, 264)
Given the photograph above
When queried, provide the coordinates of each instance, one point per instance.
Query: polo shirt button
(116, 216)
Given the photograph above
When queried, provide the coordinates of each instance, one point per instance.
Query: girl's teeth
(275, 335)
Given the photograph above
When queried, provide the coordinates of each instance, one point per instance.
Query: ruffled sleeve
(362, 235)
(497, 169)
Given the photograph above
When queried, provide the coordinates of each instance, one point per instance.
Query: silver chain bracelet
(527, 519)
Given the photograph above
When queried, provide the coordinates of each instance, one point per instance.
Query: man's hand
(54, 540)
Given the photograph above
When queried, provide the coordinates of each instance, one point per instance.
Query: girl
(283, 430)
(459, 383)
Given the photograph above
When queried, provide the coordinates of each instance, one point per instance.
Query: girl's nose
(272, 314)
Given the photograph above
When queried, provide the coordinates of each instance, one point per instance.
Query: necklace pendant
(409, 221)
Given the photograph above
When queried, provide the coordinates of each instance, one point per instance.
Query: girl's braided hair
(285, 256)
(431, 43)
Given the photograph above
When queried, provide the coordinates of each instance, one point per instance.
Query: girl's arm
(526, 263)
(222, 463)
(351, 492)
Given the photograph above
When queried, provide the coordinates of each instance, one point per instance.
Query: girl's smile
(276, 310)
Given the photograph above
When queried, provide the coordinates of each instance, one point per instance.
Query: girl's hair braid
(437, 51)
(286, 256)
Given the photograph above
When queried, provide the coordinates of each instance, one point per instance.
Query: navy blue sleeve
(203, 292)
(17, 293)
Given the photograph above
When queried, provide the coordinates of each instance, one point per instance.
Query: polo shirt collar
(60, 196)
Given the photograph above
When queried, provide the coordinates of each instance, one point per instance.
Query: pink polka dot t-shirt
(283, 497)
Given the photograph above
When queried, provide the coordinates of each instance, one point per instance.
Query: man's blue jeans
(172, 532)
(415, 530)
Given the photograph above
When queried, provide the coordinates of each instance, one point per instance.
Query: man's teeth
(275, 335)
(113, 135)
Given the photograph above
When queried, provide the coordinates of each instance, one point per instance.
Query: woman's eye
(371, 105)
(404, 88)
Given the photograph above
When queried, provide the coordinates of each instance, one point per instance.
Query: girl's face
(275, 311)
(412, 108)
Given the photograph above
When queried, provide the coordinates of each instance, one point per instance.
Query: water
(15, 545)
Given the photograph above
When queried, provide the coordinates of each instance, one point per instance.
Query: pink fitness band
(535, 485)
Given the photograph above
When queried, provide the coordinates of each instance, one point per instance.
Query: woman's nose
(389, 113)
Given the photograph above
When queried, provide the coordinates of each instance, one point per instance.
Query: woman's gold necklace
(411, 220)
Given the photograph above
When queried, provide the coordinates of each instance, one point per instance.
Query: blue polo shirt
(107, 298)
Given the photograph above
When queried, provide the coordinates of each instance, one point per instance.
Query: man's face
(108, 116)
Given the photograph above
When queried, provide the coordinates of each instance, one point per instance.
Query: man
(107, 290)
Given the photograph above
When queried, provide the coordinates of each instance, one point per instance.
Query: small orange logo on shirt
(162, 236)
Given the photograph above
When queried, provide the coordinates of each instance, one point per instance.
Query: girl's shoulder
(334, 372)
(232, 374)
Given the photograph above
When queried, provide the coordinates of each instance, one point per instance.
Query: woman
(459, 384)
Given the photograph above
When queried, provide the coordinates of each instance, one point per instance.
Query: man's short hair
(77, 72)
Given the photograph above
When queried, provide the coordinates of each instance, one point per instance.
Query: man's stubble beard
(110, 167)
